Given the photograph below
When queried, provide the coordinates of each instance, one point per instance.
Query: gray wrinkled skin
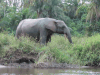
(42, 29)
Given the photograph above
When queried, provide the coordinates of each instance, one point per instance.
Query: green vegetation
(84, 51)
(82, 18)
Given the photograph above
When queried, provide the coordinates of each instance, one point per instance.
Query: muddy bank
(2, 66)
(42, 65)
(19, 58)
(22, 59)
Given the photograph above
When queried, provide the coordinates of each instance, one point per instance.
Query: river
(32, 71)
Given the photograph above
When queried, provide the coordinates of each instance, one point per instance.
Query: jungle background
(82, 16)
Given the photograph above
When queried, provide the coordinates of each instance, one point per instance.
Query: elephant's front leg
(48, 39)
(43, 37)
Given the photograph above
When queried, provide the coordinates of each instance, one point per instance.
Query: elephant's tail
(18, 32)
(19, 29)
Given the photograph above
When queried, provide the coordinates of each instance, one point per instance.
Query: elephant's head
(60, 27)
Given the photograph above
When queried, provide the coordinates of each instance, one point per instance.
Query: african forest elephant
(42, 29)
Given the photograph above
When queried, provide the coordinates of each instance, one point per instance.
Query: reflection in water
(30, 71)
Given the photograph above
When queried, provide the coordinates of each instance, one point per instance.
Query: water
(30, 71)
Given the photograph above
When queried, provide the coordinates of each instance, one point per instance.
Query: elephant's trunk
(68, 35)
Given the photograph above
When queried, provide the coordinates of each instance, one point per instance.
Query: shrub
(84, 50)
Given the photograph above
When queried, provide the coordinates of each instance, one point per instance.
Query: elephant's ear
(59, 23)
(51, 26)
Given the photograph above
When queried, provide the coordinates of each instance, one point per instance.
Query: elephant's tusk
(65, 36)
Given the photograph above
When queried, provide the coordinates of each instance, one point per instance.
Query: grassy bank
(83, 51)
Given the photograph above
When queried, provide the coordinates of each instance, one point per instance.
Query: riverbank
(43, 65)
(30, 61)
(21, 59)
(85, 51)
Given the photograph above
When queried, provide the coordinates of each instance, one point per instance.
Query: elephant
(42, 29)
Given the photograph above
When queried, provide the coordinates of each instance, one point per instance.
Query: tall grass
(10, 42)
(83, 51)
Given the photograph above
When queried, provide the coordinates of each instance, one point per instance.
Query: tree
(94, 11)
(47, 8)
(70, 8)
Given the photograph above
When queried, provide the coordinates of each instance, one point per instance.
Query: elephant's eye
(63, 27)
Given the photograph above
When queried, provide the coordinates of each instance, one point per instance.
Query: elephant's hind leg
(48, 39)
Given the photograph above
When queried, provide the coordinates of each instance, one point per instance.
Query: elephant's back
(32, 22)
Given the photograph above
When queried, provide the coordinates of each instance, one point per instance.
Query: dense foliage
(82, 18)
(85, 51)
